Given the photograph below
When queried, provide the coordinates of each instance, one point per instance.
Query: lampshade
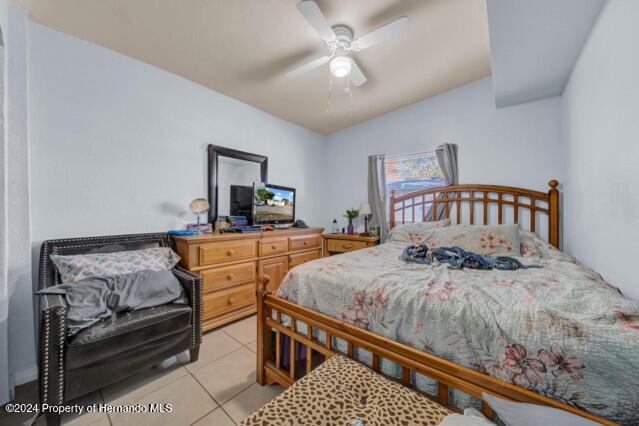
(365, 208)
(199, 206)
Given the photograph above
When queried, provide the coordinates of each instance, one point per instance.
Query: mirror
(232, 171)
(229, 167)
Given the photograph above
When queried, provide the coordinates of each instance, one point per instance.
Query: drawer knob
(305, 242)
(346, 246)
(273, 247)
(229, 277)
(231, 300)
(230, 252)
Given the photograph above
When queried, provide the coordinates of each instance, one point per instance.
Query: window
(410, 173)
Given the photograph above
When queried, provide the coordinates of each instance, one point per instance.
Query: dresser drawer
(270, 246)
(299, 258)
(228, 276)
(302, 242)
(223, 301)
(226, 251)
(345, 245)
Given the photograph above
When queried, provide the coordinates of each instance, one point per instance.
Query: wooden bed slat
(278, 348)
(376, 362)
(447, 207)
(309, 349)
(434, 208)
(405, 376)
(485, 208)
(291, 361)
(442, 394)
(472, 207)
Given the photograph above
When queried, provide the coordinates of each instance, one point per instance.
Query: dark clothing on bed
(458, 258)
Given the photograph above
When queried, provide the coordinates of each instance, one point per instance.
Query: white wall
(516, 146)
(600, 133)
(15, 167)
(119, 146)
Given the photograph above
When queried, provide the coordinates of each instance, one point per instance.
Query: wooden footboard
(271, 309)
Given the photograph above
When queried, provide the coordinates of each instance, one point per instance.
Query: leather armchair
(119, 346)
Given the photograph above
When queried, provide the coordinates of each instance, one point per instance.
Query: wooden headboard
(534, 210)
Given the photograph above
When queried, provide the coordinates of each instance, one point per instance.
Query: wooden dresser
(230, 265)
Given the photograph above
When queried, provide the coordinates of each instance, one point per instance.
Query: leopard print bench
(342, 391)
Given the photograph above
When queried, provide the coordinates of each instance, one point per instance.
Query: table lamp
(365, 210)
(199, 206)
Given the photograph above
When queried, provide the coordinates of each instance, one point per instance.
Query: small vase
(350, 230)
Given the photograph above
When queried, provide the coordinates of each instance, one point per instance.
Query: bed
(557, 335)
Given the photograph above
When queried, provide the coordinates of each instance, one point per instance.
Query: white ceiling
(242, 48)
(535, 44)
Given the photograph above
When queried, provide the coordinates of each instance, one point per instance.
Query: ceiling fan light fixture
(341, 66)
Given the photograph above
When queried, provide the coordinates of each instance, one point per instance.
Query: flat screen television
(242, 202)
(273, 204)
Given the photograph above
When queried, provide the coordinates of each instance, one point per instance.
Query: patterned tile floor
(219, 389)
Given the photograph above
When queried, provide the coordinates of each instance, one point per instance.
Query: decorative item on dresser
(198, 207)
(342, 243)
(230, 264)
(350, 215)
(365, 210)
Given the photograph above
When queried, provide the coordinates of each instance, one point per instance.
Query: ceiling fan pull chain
(330, 93)
(349, 92)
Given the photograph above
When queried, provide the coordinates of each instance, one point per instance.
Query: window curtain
(447, 161)
(377, 194)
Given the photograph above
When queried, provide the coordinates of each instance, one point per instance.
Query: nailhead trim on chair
(196, 334)
(200, 306)
(45, 379)
(61, 331)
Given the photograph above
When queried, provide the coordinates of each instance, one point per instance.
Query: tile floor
(219, 389)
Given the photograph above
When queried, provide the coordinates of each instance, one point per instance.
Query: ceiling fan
(340, 43)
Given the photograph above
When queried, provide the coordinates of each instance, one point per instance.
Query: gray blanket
(93, 299)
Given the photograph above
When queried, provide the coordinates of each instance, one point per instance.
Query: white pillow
(81, 266)
(522, 414)
(415, 233)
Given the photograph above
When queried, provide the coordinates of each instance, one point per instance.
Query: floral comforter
(559, 330)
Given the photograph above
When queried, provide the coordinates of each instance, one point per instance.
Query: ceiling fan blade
(307, 67)
(315, 17)
(382, 34)
(357, 76)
